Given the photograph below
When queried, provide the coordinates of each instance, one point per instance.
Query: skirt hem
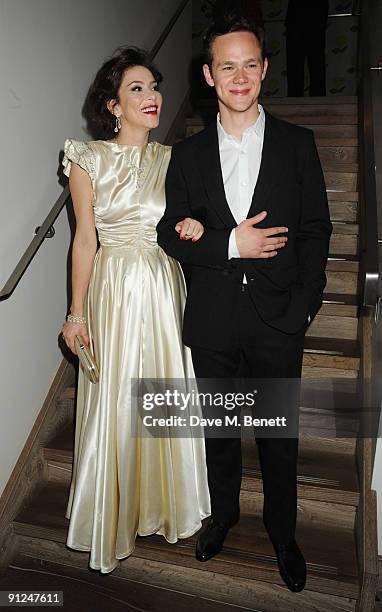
(157, 531)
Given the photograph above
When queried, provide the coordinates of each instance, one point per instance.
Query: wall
(49, 52)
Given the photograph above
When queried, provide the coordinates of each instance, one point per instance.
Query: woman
(128, 300)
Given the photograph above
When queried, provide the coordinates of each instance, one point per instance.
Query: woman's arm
(84, 250)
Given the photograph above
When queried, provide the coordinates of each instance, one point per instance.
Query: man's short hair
(226, 25)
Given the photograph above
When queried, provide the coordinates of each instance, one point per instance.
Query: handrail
(41, 233)
(168, 28)
(368, 191)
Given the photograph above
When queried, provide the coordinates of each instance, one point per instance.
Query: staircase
(245, 574)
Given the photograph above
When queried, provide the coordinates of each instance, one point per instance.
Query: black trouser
(258, 351)
(306, 42)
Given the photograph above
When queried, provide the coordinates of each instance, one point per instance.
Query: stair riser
(341, 181)
(59, 472)
(337, 154)
(308, 120)
(333, 327)
(343, 244)
(315, 110)
(334, 131)
(338, 310)
(343, 211)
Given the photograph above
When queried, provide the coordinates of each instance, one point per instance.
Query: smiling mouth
(150, 110)
(240, 92)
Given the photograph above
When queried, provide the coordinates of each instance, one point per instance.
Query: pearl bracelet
(73, 319)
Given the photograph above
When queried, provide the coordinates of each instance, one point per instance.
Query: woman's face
(140, 102)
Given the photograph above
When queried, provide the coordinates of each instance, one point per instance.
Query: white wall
(49, 53)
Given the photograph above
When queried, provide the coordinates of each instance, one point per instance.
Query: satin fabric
(123, 485)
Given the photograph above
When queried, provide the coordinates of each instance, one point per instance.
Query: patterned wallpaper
(341, 45)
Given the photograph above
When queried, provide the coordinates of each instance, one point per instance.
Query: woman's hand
(71, 330)
(189, 228)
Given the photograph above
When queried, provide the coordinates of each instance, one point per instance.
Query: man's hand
(258, 243)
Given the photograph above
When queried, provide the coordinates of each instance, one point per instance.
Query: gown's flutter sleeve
(82, 154)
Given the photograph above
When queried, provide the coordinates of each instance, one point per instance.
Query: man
(306, 24)
(257, 277)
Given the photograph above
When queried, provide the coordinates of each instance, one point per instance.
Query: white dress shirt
(240, 164)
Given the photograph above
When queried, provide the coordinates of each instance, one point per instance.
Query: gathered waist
(137, 243)
(113, 249)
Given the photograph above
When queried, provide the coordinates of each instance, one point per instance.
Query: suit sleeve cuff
(233, 251)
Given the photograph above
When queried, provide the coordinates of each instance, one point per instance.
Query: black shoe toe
(292, 566)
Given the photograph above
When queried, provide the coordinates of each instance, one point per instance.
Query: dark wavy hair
(105, 87)
(228, 23)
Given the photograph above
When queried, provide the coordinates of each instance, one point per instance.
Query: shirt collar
(257, 128)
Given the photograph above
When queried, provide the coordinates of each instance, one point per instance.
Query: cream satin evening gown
(124, 485)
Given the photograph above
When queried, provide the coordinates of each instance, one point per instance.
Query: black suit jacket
(286, 288)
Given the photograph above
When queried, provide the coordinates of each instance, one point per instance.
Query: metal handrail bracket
(34, 245)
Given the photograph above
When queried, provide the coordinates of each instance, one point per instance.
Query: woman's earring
(117, 124)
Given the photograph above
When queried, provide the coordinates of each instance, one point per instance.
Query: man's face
(237, 70)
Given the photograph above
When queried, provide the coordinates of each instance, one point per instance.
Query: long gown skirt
(124, 485)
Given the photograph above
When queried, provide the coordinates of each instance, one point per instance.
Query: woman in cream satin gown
(123, 485)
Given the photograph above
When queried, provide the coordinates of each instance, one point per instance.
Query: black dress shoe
(211, 541)
(292, 565)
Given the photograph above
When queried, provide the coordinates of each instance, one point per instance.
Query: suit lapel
(271, 167)
(209, 162)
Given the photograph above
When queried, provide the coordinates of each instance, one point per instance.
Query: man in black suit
(258, 272)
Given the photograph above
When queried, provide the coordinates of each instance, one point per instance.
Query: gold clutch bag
(87, 360)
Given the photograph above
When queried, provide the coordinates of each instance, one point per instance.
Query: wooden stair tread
(325, 533)
(334, 195)
(338, 304)
(331, 353)
(323, 473)
(347, 348)
(343, 263)
(339, 298)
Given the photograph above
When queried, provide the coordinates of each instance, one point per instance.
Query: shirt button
(243, 183)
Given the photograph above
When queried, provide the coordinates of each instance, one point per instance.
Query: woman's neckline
(131, 146)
